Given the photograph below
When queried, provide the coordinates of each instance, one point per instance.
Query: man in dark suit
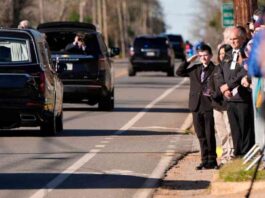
(78, 46)
(200, 104)
(239, 106)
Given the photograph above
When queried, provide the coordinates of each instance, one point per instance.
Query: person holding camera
(200, 103)
(78, 46)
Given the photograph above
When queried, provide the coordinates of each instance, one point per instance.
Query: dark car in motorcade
(31, 93)
(87, 77)
(151, 53)
(178, 45)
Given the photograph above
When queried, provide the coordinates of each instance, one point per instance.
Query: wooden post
(243, 10)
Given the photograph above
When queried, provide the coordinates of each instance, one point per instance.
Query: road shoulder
(182, 180)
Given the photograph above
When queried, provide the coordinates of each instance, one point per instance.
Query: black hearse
(31, 94)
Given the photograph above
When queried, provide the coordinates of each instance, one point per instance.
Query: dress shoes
(212, 165)
(201, 166)
(207, 165)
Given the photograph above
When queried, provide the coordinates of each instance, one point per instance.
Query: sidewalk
(182, 180)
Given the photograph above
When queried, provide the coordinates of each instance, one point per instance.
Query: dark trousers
(204, 128)
(242, 126)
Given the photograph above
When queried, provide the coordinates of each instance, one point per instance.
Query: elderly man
(24, 24)
(239, 99)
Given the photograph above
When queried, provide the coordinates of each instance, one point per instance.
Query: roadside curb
(224, 188)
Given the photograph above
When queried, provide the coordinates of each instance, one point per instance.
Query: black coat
(233, 79)
(197, 101)
(218, 101)
(74, 49)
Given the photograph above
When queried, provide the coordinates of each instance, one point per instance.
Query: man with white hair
(24, 24)
(239, 101)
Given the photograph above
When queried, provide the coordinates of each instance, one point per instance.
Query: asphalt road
(116, 154)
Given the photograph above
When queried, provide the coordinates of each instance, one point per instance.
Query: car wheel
(49, 126)
(131, 71)
(59, 123)
(107, 103)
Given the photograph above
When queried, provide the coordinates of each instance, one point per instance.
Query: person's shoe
(212, 165)
(221, 165)
(201, 166)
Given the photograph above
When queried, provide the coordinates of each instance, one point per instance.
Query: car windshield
(14, 50)
(175, 38)
(150, 43)
(59, 40)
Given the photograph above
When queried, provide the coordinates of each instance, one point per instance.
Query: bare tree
(82, 4)
(94, 11)
(121, 28)
(41, 7)
(99, 15)
(105, 23)
(62, 10)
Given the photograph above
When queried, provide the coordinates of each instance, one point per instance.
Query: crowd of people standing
(227, 97)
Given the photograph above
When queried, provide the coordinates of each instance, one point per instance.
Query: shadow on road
(85, 133)
(20, 181)
(186, 185)
(131, 109)
(153, 110)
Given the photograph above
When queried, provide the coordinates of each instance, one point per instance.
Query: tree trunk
(244, 10)
(82, 4)
(94, 12)
(41, 7)
(121, 30)
(125, 22)
(62, 11)
(144, 19)
(11, 15)
(105, 22)
(99, 14)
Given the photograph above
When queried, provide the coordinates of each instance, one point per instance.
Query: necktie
(233, 64)
(202, 74)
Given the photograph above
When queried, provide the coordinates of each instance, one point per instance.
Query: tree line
(118, 20)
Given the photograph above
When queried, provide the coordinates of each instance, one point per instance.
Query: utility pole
(243, 10)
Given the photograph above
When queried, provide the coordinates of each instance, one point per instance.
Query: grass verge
(235, 172)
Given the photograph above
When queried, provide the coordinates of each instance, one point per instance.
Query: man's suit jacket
(74, 49)
(197, 101)
(232, 77)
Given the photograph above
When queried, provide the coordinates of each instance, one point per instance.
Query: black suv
(87, 76)
(31, 93)
(178, 45)
(151, 53)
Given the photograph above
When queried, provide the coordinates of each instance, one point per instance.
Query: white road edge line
(151, 182)
(85, 158)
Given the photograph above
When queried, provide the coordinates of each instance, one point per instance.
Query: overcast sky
(178, 15)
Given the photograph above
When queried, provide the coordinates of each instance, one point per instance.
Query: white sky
(178, 15)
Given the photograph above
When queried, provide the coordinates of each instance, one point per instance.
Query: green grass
(235, 172)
